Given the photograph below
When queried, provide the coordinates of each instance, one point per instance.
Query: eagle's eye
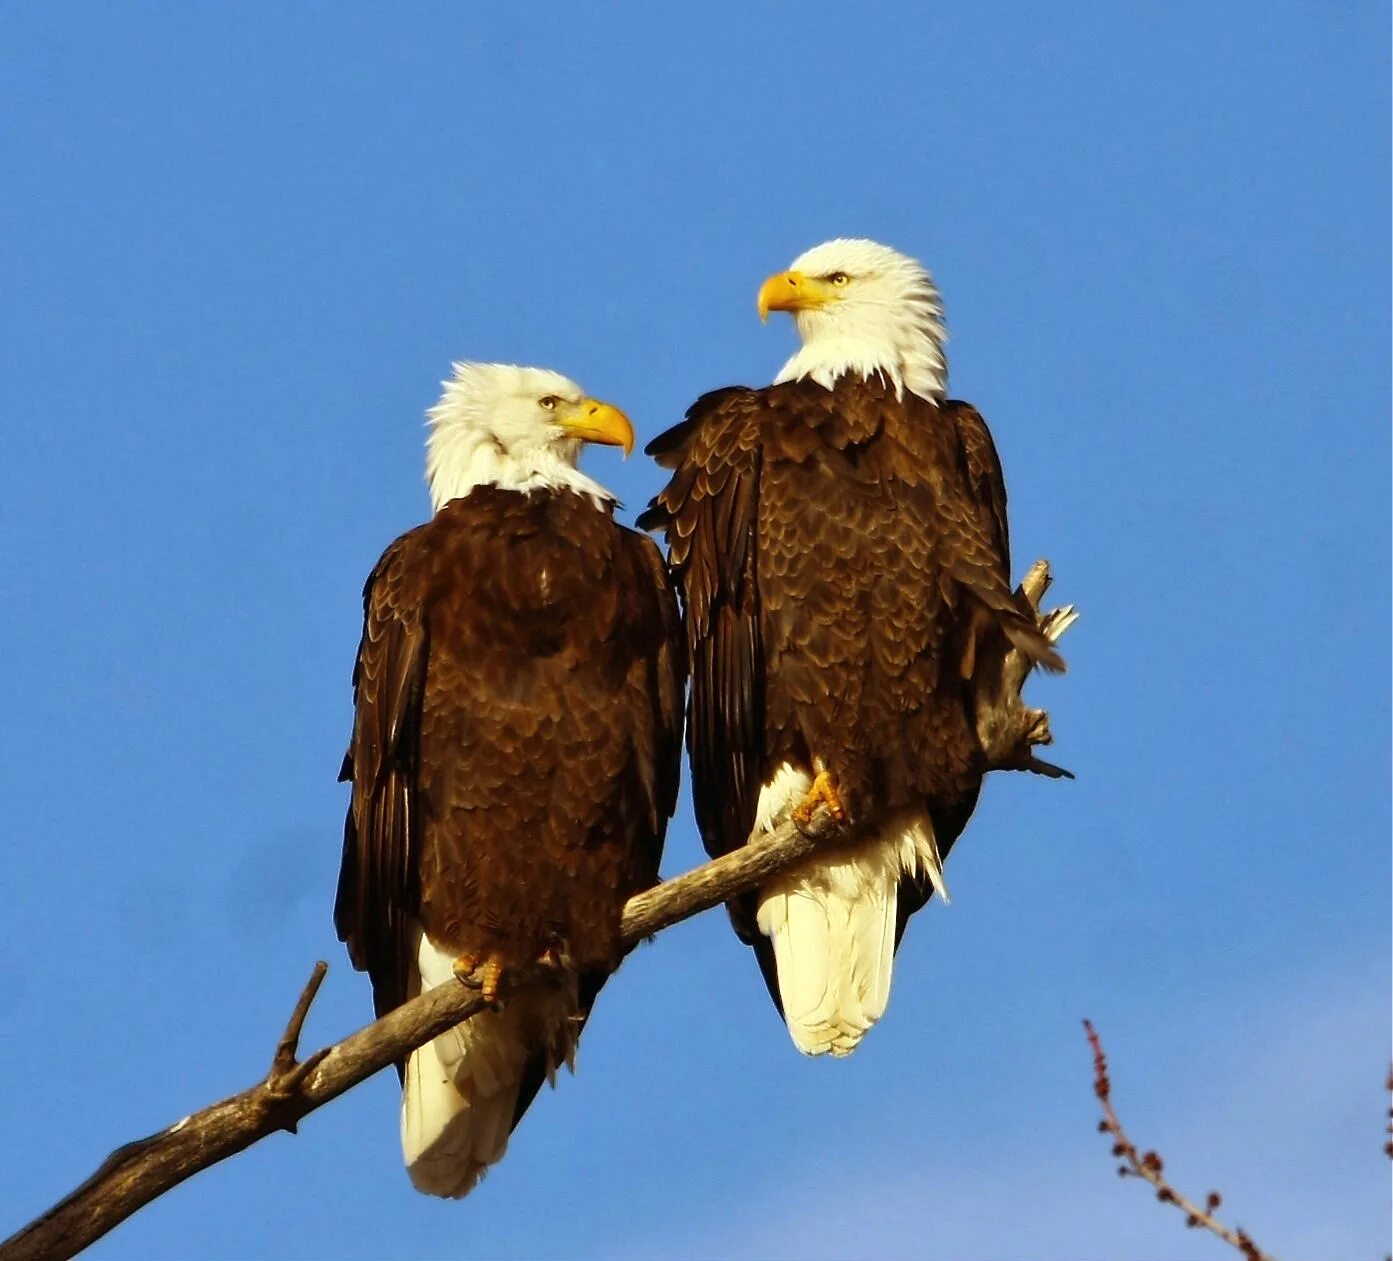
(548, 403)
(838, 278)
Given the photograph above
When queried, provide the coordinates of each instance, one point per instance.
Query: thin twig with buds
(1149, 1166)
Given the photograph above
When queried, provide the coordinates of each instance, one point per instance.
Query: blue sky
(240, 246)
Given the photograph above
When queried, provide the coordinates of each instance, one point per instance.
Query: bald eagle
(840, 543)
(514, 756)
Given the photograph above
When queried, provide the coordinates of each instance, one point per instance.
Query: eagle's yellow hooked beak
(792, 291)
(593, 421)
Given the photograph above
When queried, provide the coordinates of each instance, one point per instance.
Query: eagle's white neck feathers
(486, 430)
(887, 320)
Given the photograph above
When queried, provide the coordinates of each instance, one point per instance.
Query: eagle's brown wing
(967, 501)
(982, 467)
(668, 677)
(971, 546)
(709, 511)
(379, 878)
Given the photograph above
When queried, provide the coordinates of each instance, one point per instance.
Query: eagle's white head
(862, 307)
(519, 428)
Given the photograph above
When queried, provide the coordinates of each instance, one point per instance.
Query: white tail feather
(461, 1089)
(832, 922)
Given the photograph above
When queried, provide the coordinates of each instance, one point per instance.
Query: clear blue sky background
(239, 246)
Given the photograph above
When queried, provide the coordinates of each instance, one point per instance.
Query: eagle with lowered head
(515, 753)
(840, 542)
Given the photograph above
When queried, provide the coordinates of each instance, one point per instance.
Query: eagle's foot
(482, 972)
(822, 793)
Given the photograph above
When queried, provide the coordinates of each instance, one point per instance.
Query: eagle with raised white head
(515, 753)
(840, 542)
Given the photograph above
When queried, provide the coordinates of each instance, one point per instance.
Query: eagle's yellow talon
(822, 793)
(464, 967)
(485, 972)
(490, 979)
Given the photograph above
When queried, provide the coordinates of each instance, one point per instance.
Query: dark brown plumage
(842, 555)
(516, 744)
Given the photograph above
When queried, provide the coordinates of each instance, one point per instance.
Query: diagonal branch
(1150, 1168)
(145, 1169)
(141, 1171)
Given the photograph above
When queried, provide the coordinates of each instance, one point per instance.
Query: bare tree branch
(143, 1170)
(1149, 1166)
(137, 1173)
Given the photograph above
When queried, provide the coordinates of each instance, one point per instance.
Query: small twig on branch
(141, 1171)
(1149, 1166)
(287, 1075)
